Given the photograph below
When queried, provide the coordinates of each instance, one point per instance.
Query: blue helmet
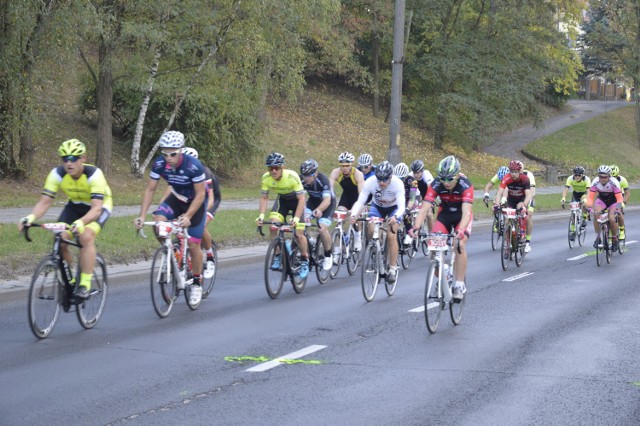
(502, 171)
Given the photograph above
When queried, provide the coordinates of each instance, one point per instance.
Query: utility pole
(394, 156)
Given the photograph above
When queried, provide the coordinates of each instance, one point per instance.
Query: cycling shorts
(326, 218)
(283, 207)
(383, 212)
(172, 208)
(447, 220)
(73, 212)
(577, 196)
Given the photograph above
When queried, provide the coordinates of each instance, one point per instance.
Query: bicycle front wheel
(321, 273)
(505, 252)
(45, 292)
(354, 257)
(433, 303)
(275, 265)
(336, 238)
(582, 232)
(517, 247)
(90, 311)
(406, 250)
(572, 232)
(370, 273)
(456, 306)
(207, 283)
(295, 259)
(163, 284)
(495, 234)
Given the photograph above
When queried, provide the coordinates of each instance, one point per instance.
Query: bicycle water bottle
(287, 244)
(447, 282)
(345, 237)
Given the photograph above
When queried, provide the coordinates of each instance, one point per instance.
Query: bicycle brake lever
(259, 229)
(141, 233)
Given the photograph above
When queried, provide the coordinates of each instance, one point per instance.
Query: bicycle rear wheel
(163, 285)
(433, 303)
(337, 250)
(354, 256)
(274, 277)
(295, 258)
(572, 230)
(495, 233)
(370, 274)
(45, 292)
(207, 283)
(505, 252)
(517, 247)
(90, 311)
(606, 244)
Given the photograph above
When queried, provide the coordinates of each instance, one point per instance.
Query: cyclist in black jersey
(351, 180)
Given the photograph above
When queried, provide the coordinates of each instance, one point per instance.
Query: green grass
(607, 139)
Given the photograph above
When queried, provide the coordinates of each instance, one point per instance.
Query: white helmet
(401, 170)
(345, 157)
(190, 151)
(604, 169)
(365, 160)
(172, 139)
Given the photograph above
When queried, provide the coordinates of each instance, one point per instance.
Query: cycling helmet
(449, 167)
(578, 170)
(346, 157)
(615, 171)
(417, 166)
(401, 170)
(309, 167)
(365, 160)
(72, 147)
(172, 139)
(274, 159)
(384, 170)
(190, 151)
(604, 170)
(502, 171)
(515, 165)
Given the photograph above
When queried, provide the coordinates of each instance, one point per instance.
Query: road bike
(374, 261)
(497, 228)
(407, 251)
(343, 245)
(576, 230)
(277, 268)
(171, 272)
(52, 286)
(603, 251)
(438, 289)
(513, 238)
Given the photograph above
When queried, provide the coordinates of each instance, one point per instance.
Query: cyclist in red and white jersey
(519, 193)
(609, 196)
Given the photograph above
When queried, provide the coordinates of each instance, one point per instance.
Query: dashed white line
(293, 355)
(517, 277)
(579, 257)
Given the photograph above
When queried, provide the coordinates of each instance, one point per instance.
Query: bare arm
(39, 209)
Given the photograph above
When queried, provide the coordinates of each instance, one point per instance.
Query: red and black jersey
(516, 188)
(453, 199)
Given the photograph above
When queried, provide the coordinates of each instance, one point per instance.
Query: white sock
(460, 284)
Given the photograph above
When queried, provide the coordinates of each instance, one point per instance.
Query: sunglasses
(447, 179)
(577, 175)
(603, 176)
(170, 154)
(72, 158)
(273, 168)
(345, 165)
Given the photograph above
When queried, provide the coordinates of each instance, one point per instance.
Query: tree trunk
(441, 124)
(26, 152)
(376, 75)
(104, 100)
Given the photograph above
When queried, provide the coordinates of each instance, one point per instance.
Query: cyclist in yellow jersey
(90, 205)
(579, 183)
(291, 200)
(626, 193)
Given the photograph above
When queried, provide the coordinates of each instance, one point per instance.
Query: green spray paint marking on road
(636, 384)
(244, 359)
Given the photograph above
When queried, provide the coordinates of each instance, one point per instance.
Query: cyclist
(495, 180)
(287, 185)
(422, 176)
(609, 196)
(579, 183)
(351, 180)
(530, 206)
(411, 196)
(626, 193)
(212, 185)
(519, 193)
(454, 213)
(320, 205)
(89, 206)
(187, 202)
(388, 202)
(365, 165)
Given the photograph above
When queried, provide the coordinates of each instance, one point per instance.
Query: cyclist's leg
(530, 210)
(196, 232)
(207, 241)
(613, 211)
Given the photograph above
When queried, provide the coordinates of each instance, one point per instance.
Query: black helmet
(449, 167)
(417, 166)
(578, 170)
(309, 167)
(274, 159)
(384, 170)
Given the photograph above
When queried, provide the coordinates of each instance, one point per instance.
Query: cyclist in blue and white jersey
(365, 165)
(187, 201)
(388, 202)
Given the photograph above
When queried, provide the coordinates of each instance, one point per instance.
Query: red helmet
(515, 165)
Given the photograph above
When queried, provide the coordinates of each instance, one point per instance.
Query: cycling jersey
(349, 188)
(318, 191)
(384, 198)
(410, 188)
(212, 182)
(608, 192)
(181, 179)
(516, 188)
(423, 182)
(624, 184)
(91, 185)
(288, 187)
(370, 173)
(578, 186)
(450, 209)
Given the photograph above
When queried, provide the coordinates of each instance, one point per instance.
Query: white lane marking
(293, 355)
(418, 309)
(579, 257)
(592, 252)
(517, 277)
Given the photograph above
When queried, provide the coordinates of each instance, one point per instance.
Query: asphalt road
(552, 342)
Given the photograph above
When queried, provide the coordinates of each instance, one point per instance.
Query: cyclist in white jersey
(388, 201)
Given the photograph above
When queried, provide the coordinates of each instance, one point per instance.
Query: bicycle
(374, 261)
(497, 227)
(51, 286)
(276, 273)
(438, 289)
(171, 272)
(576, 230)
(513, 238)
(604, 248)
(343, 245)
(407, 252)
